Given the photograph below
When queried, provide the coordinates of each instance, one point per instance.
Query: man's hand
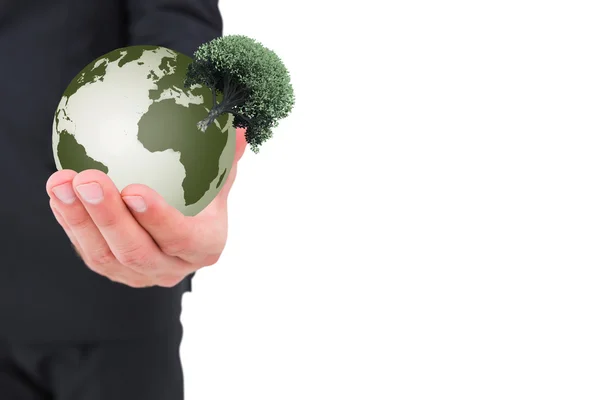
(135, 237)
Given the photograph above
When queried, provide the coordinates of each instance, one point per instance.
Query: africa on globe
(129, 115)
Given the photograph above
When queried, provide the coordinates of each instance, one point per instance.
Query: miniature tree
(254, 83)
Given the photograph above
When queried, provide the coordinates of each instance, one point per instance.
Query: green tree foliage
(254, 83)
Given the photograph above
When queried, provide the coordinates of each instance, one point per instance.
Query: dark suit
(47, 294)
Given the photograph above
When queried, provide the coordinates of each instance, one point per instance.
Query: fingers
(110, 240)
(80, 229)
(87, 240)
(135, 237)
(128, 241)
(65, 226)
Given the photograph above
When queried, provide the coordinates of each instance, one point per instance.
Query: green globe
(129, 115)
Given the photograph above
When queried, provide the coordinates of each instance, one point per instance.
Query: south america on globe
(151, 115)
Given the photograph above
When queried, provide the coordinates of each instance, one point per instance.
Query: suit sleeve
(181, 25)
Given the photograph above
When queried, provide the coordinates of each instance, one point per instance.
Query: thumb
(240, 144)
(240, 148)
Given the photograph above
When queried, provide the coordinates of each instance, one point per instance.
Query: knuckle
(134, 257)
(108, 221)
(101, 258)
(81, 222)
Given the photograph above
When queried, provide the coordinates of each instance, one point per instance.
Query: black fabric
(148, 368)
(46, 292)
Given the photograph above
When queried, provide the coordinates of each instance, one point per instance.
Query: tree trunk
(212, 115)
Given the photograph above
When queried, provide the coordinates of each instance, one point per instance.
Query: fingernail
(91, 192)
(136, 203)
(64, 193)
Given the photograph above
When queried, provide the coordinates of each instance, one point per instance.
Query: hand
(155, 246)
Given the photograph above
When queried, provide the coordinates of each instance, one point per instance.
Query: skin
(155, 245)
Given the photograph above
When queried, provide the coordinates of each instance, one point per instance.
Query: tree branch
(226, 86)
(214, 95)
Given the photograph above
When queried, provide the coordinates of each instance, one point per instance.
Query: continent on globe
(130, 115)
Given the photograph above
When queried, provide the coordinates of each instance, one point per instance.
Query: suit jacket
(46, 291)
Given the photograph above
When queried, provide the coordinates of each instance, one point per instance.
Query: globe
(128, 114)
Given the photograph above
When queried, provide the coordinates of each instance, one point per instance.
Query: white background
(426, 223)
